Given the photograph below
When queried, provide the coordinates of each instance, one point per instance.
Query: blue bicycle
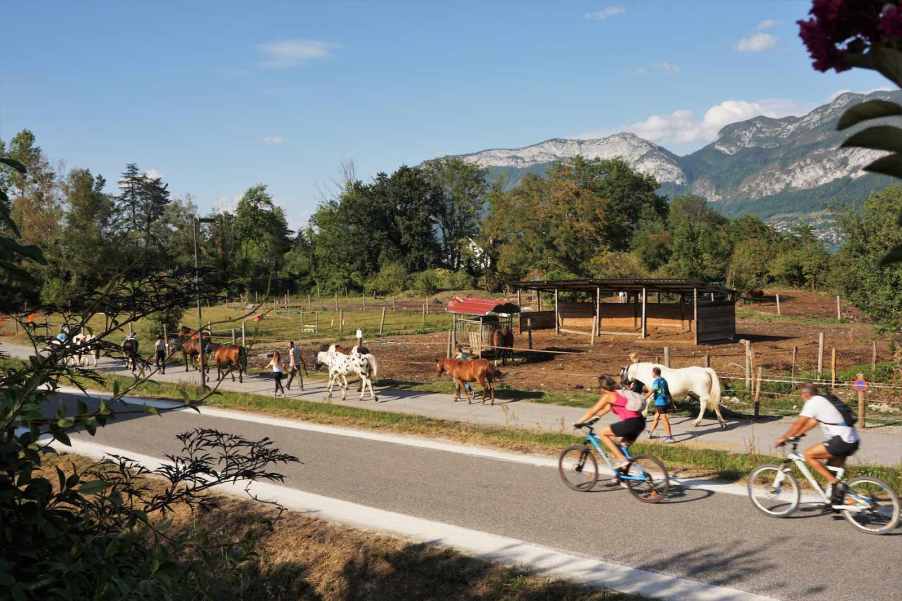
(644, 476)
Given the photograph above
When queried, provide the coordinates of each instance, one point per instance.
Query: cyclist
(841, 443)
(627, 429)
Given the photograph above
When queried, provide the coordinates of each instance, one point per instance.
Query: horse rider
(296, 365)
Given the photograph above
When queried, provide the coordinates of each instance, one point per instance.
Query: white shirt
(819, 408)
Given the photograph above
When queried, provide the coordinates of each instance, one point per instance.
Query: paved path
(718, 539)
(880, 445)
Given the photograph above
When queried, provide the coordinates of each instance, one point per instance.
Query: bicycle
(644, 476)
(870, 504)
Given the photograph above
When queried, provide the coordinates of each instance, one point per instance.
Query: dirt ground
(570, 362)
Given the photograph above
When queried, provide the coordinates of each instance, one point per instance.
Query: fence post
(666, 356)
(833, 367)
(233, 333)
(644, 314)
(382, 321)
(861, 406)
(341, 321)
(363, 297)
(423, 312)
(394, 304)
(336, 301)
(557, 316)
(529, 331)
(308, 303)
(448, 349)
(820, 355)
(873, 358)
(748, 367)
(242, 333)
(792, 373)
(316, 322)
(758, 373)
(778, 306)
(707, 360)
(838, 310)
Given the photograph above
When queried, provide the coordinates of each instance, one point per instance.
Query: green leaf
(151, 410)
(893, 256)
(65, 422)
(881, 137)
(116, 387)
(13, 163)
(872, 109)
(92, 487)
(889, 165)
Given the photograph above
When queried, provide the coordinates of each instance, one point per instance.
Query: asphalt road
(715, 538)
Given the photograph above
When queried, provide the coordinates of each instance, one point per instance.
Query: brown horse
(229, 357)
(189, 342)
(503, 341)
(472, 370)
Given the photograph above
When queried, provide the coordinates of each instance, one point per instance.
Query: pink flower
(838, 27)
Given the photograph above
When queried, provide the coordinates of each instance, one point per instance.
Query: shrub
(426, 282)
(392, 277)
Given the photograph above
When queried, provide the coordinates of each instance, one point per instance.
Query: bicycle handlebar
(586, 424)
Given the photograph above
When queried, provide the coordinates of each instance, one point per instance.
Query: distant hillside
(783, 170)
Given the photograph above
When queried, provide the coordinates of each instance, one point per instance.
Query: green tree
(34, 193)
(871, 285)
(463, 188)
(700, 241)
(263, 235)
(800, 259)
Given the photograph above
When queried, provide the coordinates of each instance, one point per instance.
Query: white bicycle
(870, 504)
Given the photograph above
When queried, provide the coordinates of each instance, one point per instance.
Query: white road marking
(411, 441)
(540, 559)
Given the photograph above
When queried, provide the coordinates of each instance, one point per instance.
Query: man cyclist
(841, 438)
(629, 427)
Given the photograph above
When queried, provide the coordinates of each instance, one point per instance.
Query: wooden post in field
(363, 298)
(448, 349)
(644, 314)
(394, 304)
(166, 339)
(233, 334)
(758, 391)
(820, 355)
(833, 367)
(382, 321)
(707, 360)
(308, 303)
(316, 322)
(529, 331)
(423, 311)
(336, 301)
(666, 356)
(130, 329)
(519, 298)
(778, 306)
(695, 314)
(873, 357)
(861, 406)
(341, 322)
(597, 324)
(748, 365)
(557, 315)
(243, 341)
(838, 309)
(795, 356)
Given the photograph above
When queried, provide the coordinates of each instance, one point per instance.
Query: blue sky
(218, 96)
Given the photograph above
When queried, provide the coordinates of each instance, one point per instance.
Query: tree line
(440, 225)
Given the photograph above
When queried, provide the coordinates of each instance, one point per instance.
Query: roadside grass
(747, 312)
(296, 556)
(690, 460)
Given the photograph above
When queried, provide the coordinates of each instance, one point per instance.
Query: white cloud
(662, 67)
(767, 24)
(153, 173)
(273, 140)
(684, 127)
(756, 42)
(606, 12)
(291, 53)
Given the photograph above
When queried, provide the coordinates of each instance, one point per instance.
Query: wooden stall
(474, 321)
(633, 306)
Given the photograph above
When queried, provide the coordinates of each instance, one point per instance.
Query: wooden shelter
(474, 320)
(632, 306)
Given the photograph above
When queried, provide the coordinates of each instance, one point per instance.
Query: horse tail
(374, 366)
(715, 389)
(242, 358)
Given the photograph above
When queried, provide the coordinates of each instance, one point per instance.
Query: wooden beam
(557, 315)
(644, 313)
(695, 313)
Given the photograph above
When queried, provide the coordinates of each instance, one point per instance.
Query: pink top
(620, 410)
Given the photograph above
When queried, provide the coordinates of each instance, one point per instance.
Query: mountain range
(784, 170)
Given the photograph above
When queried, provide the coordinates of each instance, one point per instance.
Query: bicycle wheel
(578, 468)
(873, 505)
(646, 478)
(774, 490)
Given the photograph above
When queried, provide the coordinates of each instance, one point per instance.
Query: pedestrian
(463, 355)
(296, 365)
(277, 373)
(161, 351)
(663, 404)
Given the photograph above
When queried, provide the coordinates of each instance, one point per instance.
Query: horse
(699, 382)
(503, 341)
(321, 358)
(86, 345)
(470, 370)
(341, 365)
(230, 356)
(130, 350)
(189, 342)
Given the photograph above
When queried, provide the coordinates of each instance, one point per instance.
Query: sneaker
(618, 472)
(651, 435)
(838, 493)
(668, 439)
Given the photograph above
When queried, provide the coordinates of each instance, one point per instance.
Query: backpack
(634, 400)
(845, 411)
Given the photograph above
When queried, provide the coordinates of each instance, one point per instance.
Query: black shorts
(838, 447)
(668, 408)
(629, 429)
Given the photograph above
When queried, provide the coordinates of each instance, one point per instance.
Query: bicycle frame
(795, 457)
(592, 438)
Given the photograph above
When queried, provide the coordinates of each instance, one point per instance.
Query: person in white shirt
(841, 442)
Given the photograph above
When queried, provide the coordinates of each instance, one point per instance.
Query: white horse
(340, 365)
(700, 382)
(86, 347)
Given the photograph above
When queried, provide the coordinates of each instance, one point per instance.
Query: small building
(474, 321)
(631, 306)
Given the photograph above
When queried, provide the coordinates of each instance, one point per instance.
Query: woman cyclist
(629, 427)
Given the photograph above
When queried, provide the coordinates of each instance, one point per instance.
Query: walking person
(296, 365)
(277, 373)
(663, 404)
(463, 355)
(160, 352)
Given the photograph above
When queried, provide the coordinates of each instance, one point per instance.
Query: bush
(392, 277)
(153, 323)
(426, 282)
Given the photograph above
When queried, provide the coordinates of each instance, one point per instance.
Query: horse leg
(331, 383)
(702, 404)
(344, 387)
(485, 391)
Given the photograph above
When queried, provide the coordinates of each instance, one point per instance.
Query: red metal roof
(481, 306)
